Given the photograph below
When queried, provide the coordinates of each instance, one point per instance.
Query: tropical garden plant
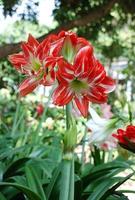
(67, 132)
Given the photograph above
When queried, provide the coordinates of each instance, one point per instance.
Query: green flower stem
(67, 173)
(67, 179)
(72, 181)
(68, 115)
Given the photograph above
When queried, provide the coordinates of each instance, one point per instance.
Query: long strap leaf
(29, 193)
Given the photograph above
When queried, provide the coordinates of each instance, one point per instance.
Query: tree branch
(93, 16)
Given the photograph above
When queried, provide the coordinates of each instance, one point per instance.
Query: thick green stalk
(68, 115)
(66, 180)
(67, 174)
(72, 181)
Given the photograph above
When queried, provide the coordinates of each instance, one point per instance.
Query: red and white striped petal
(28, 85)
(43, 49)
(82, 60)
(62, 95)
(81, 42)
(97, 95)
(51, 61)
(97, 72)
(65, 67)
(67, 34)
(108, 84)
(52, 38)
(32, 41)
(27, 50)
(18, 61)
(56, 46)
(65, 73)
(82, 104)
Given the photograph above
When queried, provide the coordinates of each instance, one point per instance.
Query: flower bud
(40, 109)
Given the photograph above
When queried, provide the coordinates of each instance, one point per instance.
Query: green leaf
(11, 169)
(111, 165)
(111, 190)
(2, 166)
(104, 170)
(127, 191)
(101, 187)
(2, 197)
(34, 181)
(19, 179)
(117, 197)
(52, 182)
(29, 193)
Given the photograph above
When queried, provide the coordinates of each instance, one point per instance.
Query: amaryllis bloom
(68, 58)
(67, 44)
(83, 81)
(40, 109)
(126, 138)
(36, 63)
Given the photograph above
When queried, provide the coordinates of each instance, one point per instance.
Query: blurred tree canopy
(90, 18)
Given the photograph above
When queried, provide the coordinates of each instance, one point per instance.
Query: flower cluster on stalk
(67, 61)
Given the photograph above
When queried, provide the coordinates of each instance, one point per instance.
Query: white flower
(101, 128)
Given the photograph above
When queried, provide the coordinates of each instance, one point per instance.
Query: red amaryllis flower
(83, 81)
(36, 63)
(67, 44)
(40, 109)
(126, 138)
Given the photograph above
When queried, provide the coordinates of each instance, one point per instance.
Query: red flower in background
(40, 109)
(34, 61)
(83, 82)
(126, 138)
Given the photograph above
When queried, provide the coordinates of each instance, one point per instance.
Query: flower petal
(18, 61)
(28, 85)
(62, 95)
(83, 60)
(28, 50)
(97, 72)
(82, 104)
(97, 95)
(108, 84)
(96, 118)
(81, 42)
(32, 41)
(130, 132)
(65, 72)
(56, 47)
(67, 34)
(43, 49)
